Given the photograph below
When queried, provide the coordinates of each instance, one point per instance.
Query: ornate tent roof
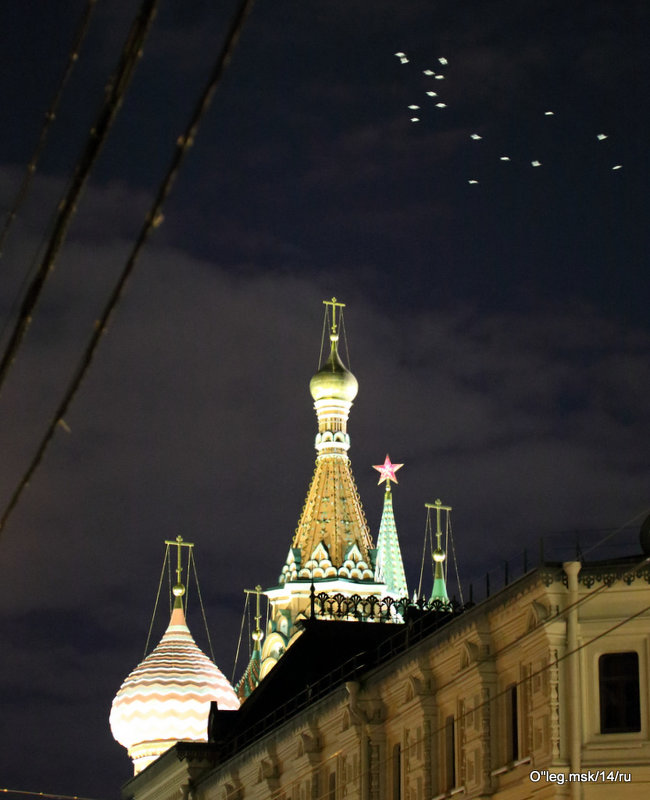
(332, 532)
(333, 517)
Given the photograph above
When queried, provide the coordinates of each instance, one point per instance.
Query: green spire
(438, 555)
(390, 568)
(249, 681)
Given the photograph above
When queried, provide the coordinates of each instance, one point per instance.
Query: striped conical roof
(167, 697)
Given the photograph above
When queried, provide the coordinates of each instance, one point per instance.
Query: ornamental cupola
(166, 698)
(333, 389)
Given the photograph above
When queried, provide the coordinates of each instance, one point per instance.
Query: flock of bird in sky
(435, 99)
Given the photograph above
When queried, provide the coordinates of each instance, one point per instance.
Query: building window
(450, 753)
(512, 724)
(397, 772)
(618, 682)
(331, 789)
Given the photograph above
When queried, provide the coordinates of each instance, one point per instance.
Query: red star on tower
(387, 470)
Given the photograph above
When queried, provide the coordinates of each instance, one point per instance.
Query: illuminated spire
(332, 517)
(390, 568)
(439, 586)
(332, 549)
(251, 677)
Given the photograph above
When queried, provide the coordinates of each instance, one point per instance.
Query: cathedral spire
(251, 677)
(332, 548)
(439, 585)
(389, 568)
(332, 521)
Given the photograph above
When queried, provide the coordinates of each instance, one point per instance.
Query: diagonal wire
(50, 116)
(152, 220)
(47, 795)
(166, 561)
(192, 562)
(115, 92)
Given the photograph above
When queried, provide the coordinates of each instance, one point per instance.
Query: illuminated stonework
(167, 697)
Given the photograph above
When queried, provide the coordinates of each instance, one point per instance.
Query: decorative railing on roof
(372, 608)
(598, 550)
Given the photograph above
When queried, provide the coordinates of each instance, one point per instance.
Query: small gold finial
(335, 304)
(257, 633)
(438, 507)
(179, 589)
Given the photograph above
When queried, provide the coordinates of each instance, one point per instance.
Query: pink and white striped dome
(166, 699)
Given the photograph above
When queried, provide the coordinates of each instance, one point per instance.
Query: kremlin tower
(390, 568)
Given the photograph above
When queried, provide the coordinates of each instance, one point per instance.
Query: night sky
(499, 330)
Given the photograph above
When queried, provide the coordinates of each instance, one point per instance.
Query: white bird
(441, 105)
(428, 72)
(472, 181)
(440, 77)
(400, 55)
(415, 119)
(475, 136)
(432, 94)
(601, 136)
(413, 108)
(549, 113)
(443, 61)
(404, 60)
(536, 163)
(618, 166)
(504, 158)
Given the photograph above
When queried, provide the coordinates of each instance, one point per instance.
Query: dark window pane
(450, 753)
(397, 772)
(512, 724)
(618, 675)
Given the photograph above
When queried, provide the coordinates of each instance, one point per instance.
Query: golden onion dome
(333, 380)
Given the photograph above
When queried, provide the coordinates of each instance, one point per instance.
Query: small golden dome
(333, 380)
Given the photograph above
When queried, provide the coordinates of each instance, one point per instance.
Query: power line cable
(153, 219)
(50, 116)
(115, 92)
(45, 794)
